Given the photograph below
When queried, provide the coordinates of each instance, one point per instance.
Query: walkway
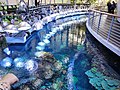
(106, 29)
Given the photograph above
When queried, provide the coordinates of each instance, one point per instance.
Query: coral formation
(48, 76)
(102, 82)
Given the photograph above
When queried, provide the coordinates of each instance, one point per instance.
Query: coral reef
(50, 74)
(102, 82)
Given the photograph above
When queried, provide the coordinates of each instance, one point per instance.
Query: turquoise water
(68, 47)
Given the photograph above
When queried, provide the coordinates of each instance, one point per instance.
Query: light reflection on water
(71, 36)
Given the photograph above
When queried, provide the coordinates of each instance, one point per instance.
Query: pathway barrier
(105, 28)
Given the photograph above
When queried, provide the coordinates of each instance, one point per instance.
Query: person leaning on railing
(113, 6)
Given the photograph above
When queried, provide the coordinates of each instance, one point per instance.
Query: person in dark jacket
(109, 5)
(113, 6)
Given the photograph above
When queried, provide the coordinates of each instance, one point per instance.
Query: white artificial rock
(40, 48)
(41, 44)
(46, 41)
(19, 64)
(29, 65)
(6, 62)
(7, 51)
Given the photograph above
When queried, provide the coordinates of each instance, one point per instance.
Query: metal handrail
(109, 14)
(106, 27)
(64, 6)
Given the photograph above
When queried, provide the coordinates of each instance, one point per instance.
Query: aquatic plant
(101, 81)
(94, 69)
(75, 80)
(79, 47)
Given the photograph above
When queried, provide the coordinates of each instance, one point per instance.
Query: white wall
(10, 2)
(118, 9)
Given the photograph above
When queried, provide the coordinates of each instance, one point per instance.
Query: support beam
(35, 2)
(118, 9)
(7, 2)
(45, 2)
(28, 3)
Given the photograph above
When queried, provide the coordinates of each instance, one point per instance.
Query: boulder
(48, 65)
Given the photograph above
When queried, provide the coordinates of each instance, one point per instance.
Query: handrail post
(67, 36)
(89, 17)
(92, 19)
(110, 29)
(99, 22)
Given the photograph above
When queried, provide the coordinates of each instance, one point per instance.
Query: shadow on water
(81, 65)
(77, 54)
(111, 58)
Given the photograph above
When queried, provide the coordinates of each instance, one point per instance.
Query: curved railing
(64, 7)
(105, 28)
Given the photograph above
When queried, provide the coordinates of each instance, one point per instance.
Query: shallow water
(65, 45)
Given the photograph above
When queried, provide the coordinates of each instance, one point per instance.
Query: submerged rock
(26, 88)
(90, 74)
(48, 74)
(37, 82)
(114, 82)
(40, 54)
(48, 65)
(58, 65)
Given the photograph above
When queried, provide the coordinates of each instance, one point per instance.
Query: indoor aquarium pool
(58, 57)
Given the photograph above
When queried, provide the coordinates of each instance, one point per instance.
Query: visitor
(109, 5)
(113, 6)
(60, 8)
(23, 8)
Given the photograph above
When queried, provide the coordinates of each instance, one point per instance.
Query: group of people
(111, 7)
